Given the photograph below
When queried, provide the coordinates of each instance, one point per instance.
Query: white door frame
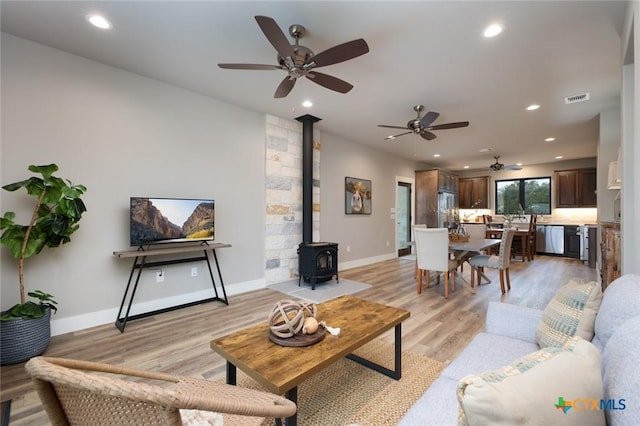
(411, 181)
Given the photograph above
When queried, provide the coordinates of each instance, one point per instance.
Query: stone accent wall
(284, 197)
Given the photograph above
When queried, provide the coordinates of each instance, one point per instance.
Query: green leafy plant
(31, 309)
(58, 208)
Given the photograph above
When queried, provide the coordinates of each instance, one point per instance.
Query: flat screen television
(170, 220)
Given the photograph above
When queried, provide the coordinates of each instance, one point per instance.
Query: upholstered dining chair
(475, 232)
(80, 393)
(500, 262)
(432, 253)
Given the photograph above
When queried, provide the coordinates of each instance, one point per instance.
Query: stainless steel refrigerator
(442, 210)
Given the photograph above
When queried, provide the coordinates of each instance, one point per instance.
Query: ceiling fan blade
(284, 87)
(429, 118)
(250, 66)
(427, 135)
(513, 167)
(330, 82)
(392, 127)
(340, 53)
(275, 36)
(449, 125)
(395, 136)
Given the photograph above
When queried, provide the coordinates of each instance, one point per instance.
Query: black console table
(140, 262)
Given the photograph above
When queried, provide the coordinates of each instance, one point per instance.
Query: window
(533, 195)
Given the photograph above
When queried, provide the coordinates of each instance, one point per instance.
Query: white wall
(123, 135)
(365, 235)
(630, 226)
(608, 145)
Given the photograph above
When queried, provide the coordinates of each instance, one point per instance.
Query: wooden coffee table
(281, 369)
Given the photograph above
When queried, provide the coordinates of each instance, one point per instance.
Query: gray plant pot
(23, 339)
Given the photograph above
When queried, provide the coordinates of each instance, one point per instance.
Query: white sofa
(510, 334)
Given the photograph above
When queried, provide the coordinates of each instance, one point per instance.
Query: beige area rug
(346, 392)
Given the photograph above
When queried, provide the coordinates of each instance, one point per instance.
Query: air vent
(576, 98)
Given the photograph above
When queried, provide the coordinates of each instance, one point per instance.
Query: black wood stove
(317, 262)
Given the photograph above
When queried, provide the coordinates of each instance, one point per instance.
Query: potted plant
(25, 328)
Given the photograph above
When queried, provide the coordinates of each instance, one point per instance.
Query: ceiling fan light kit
(497, 166)
(300, 61)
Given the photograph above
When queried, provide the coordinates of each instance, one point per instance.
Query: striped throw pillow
(571, 312)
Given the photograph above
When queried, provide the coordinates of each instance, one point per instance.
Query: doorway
(403, 217)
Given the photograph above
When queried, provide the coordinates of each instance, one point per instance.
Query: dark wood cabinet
(571, 242)
(576, 188)
(428, 184)
(473, 193)
(610, 253)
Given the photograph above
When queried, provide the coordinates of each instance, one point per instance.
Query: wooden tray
(299, 340)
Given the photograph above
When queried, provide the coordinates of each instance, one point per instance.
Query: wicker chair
(78, 393)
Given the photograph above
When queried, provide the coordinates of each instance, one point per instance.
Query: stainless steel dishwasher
(550, 239)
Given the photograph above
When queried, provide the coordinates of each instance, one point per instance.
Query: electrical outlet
(159, 277)
(194, 271)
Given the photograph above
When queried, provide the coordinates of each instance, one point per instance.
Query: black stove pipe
(307, 175)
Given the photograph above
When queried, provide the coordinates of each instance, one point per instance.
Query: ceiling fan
(422, 126)
(497, 166)
(300, 61)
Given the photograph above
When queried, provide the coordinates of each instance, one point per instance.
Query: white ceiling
(421, 52)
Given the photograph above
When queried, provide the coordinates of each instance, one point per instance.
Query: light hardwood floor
(178, 342)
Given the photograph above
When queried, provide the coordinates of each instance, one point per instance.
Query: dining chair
(80, 393)
(475, 232)
(432, 253)
(413, 238)
(500, 262)
(532, 237)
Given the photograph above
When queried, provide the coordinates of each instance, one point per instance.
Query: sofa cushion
(619, 304)
(531, 389)
(437, 406)
(487, 352)
(620, 374)
(571, 312)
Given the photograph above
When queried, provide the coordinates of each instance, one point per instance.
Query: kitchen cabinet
(610, 253)
(436, 197)
(576, 188)
(571, 242)
(473, 193)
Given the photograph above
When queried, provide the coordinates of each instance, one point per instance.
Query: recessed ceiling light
(558, 157)
(492, 30)
(550, 139)
(465, 167)
(484, 150)
(390, 137)
(533, 107)
(436, 155)
(307, 104)
(99, 21)
(518, 164)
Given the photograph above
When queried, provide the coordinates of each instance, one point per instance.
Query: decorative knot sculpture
(287, 317)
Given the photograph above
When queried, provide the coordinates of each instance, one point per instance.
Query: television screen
(168, 220)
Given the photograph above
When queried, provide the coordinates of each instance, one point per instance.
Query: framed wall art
(357, 196)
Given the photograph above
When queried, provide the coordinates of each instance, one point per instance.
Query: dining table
(462, 251)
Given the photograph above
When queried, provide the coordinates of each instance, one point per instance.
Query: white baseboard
(80, 322)
(366, 261)
(107, 316)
